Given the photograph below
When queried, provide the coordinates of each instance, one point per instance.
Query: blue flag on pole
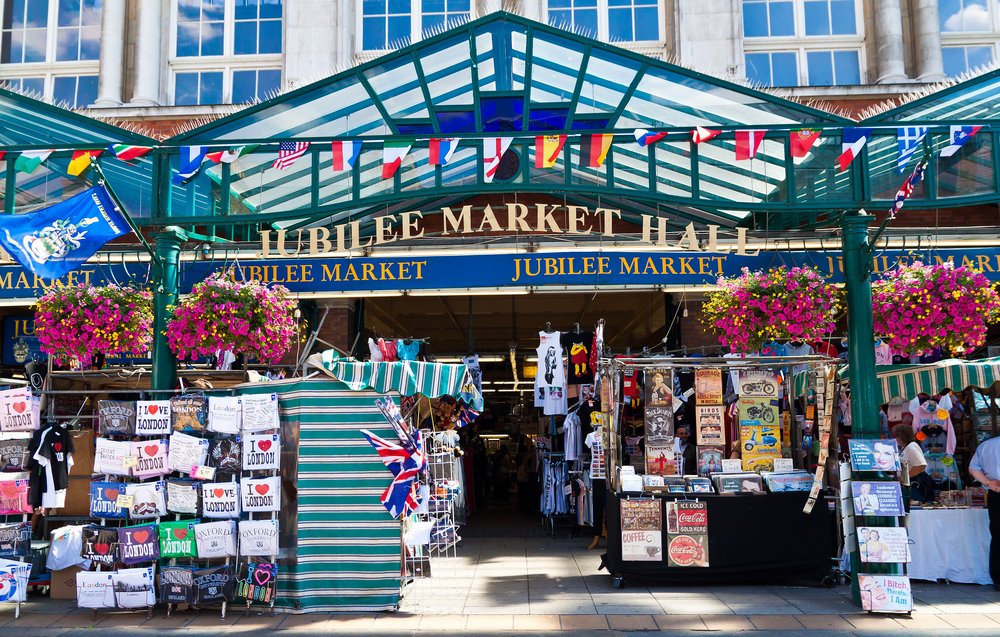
(55, 240)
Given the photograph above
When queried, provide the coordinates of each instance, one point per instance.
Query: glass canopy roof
(28, 124)
(504, 75)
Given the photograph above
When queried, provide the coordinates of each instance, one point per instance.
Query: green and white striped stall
(907, 381)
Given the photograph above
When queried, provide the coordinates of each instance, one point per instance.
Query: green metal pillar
(166, 292)
(860, 331)
(860, 344)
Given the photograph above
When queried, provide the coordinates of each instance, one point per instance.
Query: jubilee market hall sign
(316, 261)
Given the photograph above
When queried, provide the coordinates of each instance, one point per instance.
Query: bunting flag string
(853, 140)
(906, 189)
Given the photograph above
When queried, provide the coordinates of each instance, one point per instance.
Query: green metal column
(166, 291)
(860, 332)
(860, 343)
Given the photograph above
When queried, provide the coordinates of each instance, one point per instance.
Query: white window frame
(50, 69)
(604, 31)
(228, 61)
(801, 44)
(416, 30)
(989, 38)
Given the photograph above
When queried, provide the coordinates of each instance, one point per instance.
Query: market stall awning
(407, 378)
(906, 381)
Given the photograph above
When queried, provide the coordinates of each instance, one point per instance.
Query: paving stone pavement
(539, 585)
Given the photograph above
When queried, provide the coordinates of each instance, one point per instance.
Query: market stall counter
(752, 538)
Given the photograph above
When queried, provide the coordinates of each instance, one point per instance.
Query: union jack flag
(288, 152)
(906, 189)
(400, 497)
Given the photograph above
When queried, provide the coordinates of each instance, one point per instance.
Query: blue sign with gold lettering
(587, 269)
(20, 345)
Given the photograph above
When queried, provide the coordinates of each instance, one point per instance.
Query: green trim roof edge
(890, 116)
(79, 119)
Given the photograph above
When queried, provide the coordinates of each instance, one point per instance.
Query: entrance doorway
(503, 331)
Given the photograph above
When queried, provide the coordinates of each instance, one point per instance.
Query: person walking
(985, 467)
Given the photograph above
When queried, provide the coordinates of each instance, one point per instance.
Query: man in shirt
(685, 452)
(985, 467)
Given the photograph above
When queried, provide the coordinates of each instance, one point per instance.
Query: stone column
(889, 42)
(111, 64)
(310, 51)
(148, 54)
(531, 9)
(709, 36)
(927, 38)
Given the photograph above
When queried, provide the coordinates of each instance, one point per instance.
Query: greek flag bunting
(909, 138)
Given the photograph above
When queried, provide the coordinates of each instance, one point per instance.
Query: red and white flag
(800, 141)
(701, 134)
(392, 157)
(493, 150)
(747, 143)
(288, 152)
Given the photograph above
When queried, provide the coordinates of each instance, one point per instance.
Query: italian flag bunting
(393, 153)
(125, 152)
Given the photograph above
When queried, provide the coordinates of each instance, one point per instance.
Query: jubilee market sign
(316, 261)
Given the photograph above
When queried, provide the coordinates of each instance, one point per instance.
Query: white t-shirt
(571, 439)
(913, 456)
(596, 446)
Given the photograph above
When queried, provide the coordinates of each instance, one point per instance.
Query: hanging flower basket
(919, 307)
(781, 304)
(244, 317)
(77, 323)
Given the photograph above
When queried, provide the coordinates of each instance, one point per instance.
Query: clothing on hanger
(376, 352)
(407, 351)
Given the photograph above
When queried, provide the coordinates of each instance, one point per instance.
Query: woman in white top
(917, 484)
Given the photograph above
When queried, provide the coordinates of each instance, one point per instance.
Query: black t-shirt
(577, 346)
(55, 447)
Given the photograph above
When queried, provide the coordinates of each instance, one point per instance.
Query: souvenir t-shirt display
(115, 418)
(177, 539)
(214, 584)
(177, 585)
(578, 345)
(934, 418)
(148, 500)
(14, 452)
(260, 412)
(216, 539)
(14, 580)
(257, 582)
(189, 413)
(94, 590)
(596, 446)
(258, 537)
(15, 539)
(138, 544)
(550, 377)
(182, 496)
(100, 544)
(262, 494)
(110, 457)
(225, 414)
(225, 455)
(186, 452)
(133, 587)
(220, 500)
(883, 354)
(52, 461)
(104, 500)
(261, 452)
(14, 497)
(150, 458)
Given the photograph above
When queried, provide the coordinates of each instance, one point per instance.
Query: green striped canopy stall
(909, 380)
(347, 554)
(407, 378)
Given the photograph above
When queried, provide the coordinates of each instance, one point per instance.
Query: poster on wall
(874, 455)
(709, 460)
(20, 342)
(877, 498)
(763, 410)
(659, 423)
(709, 425)
(884, 544)
(659, 388)
(687, 516)
(708, 386)
(758, 384)
(660, 460)
(759, 445)
(885, 593)
(642, 530)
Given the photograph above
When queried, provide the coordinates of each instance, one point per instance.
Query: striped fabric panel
(404, 377)
(348, 553)
(907, 381)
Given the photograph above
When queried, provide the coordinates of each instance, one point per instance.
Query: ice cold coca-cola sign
(686, 550)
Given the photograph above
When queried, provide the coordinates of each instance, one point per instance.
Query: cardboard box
(64, 583)
(83, 458)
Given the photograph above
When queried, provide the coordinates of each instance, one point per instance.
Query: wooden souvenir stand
(752, 537)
